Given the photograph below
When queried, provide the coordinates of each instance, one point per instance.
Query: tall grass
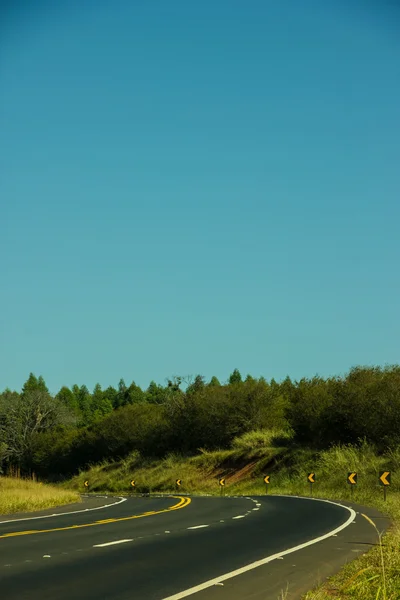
(19, 495)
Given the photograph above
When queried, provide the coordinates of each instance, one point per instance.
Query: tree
(156, 394)
(34, 384)
(68, 398)
(135, 394)
(121, 397)
(196, 386)
(214, 382)
(111, 395)
(23, 416)
(235, 377)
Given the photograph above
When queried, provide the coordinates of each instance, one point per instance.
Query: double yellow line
(183, 502)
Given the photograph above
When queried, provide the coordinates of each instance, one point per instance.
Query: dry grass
(19, 495)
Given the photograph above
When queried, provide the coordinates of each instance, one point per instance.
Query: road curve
(176, 547)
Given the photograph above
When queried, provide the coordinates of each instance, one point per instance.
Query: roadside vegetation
(19, 495)
(242, 429)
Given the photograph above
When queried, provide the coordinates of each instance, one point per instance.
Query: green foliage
(135, 394)
(68, 398)
(197, 385)
(259, 439)
(34, 384)
(155, 394)
(235, 377)
(364, 404)
(25, 416)
(75, 428)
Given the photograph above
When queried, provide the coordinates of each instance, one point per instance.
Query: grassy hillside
(19, 495)
(272, 452)
(244, 464)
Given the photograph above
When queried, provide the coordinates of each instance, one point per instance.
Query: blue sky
(190, 187)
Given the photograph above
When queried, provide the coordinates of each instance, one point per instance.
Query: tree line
(55, 436)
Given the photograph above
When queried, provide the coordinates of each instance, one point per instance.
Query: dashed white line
(112, 543)
(198, 527)
(259, 563)
(239, 517)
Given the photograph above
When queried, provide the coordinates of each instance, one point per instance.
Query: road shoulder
(88, 503)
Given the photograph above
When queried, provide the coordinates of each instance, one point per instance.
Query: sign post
(385, 479)
(133, 483)
(266, 481)
(178, 483)
(86, 484)
(222, 486)
(352, 480)
(311, 480)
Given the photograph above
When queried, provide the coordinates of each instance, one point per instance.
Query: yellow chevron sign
(178, 482)
(222, 481)
(311, 477)
(352, 478)
(133, 483)
(86, 484)
(385, 477)
(266, 478)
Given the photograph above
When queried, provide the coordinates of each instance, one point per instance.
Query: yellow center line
(183, 502)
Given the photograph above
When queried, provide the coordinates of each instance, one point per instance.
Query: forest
(56, 436)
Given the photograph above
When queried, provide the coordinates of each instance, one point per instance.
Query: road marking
(112, 543)
(74, 512)
(263, 561)
(198, 527)
(183, 502)
(239, 517)
(255, 509)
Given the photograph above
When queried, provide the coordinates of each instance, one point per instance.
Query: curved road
(176, 547)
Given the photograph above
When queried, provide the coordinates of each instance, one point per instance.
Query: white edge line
(264, 561)
(74, 512)
(198, 526)
(112, 543)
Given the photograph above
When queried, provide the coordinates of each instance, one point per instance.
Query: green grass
(373, 576)
(199, 474)
(20, 495)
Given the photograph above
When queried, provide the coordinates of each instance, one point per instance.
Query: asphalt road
(176, 547)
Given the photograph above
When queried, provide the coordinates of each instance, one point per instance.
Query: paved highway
(161, 548)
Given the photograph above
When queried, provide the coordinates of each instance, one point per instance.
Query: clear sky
(190, 187)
